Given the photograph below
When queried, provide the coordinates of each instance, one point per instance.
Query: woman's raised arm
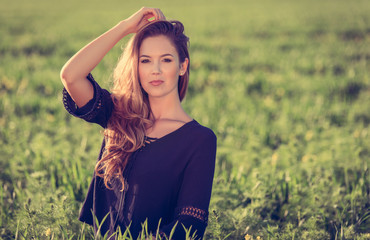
(74, 72)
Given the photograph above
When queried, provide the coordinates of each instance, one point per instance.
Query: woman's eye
(167, 60)
(144, 61)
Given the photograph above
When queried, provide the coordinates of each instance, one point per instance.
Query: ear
(184, 66)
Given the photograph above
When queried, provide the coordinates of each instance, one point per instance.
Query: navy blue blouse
(169, 179)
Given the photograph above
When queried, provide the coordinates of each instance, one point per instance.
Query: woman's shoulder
(201, 132)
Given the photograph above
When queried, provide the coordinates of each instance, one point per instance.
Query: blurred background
(283, 84)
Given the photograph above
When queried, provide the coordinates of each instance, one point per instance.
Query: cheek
(142, 70)
(172, 71)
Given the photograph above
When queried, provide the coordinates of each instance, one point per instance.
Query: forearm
(85, 60)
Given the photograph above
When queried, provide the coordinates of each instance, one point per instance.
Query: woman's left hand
(142, 17)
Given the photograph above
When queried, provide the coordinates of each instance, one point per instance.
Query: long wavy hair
(127, 126)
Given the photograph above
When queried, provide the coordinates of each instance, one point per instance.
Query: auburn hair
(130, 118)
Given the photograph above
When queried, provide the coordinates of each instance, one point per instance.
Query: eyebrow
(164, 55)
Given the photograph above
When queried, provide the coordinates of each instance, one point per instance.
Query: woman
(156, 163)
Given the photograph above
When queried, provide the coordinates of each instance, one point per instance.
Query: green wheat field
(283, 84)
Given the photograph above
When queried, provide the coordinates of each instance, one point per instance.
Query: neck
(166, 108)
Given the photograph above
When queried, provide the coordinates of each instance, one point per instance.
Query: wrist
(124, 28)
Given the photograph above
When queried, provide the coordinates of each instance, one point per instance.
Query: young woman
(156, 163)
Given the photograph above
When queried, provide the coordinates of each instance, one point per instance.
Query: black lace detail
(71, 106)
(149, 140)
(197, 213)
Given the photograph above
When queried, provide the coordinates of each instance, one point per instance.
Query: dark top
(169, 179)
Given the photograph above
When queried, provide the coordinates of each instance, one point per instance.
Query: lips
(156, 82)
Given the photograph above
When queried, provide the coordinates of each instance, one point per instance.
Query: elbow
(66, 76)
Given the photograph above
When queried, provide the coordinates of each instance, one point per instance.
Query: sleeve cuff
(86, 112)
(193, 219)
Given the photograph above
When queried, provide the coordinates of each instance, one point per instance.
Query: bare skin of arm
(74, 72)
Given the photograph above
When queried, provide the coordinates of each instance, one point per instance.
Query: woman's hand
(141, 18)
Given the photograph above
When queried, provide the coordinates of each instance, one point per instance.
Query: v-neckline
(153, 140)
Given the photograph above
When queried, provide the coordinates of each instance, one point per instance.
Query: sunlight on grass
(284, 85)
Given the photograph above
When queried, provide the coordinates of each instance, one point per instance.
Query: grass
(284, 85)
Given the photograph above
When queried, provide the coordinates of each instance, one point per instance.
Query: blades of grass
(17, 231)
(127, 232)
(82, 235)
(144, 230)
(1, 202)
(97, 234)
(157, 232)
(187, 231)
(117, 234)
(65, 234)
(106, 235)
(173, 230)
(227, 235)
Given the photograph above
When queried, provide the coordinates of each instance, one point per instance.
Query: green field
(283, 84)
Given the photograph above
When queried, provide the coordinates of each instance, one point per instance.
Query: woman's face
(160, 67)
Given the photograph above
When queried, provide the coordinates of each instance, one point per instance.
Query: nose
(156, 68)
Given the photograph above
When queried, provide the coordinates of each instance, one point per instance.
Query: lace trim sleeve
(101, 96)
(194, 212)
(187, 218)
